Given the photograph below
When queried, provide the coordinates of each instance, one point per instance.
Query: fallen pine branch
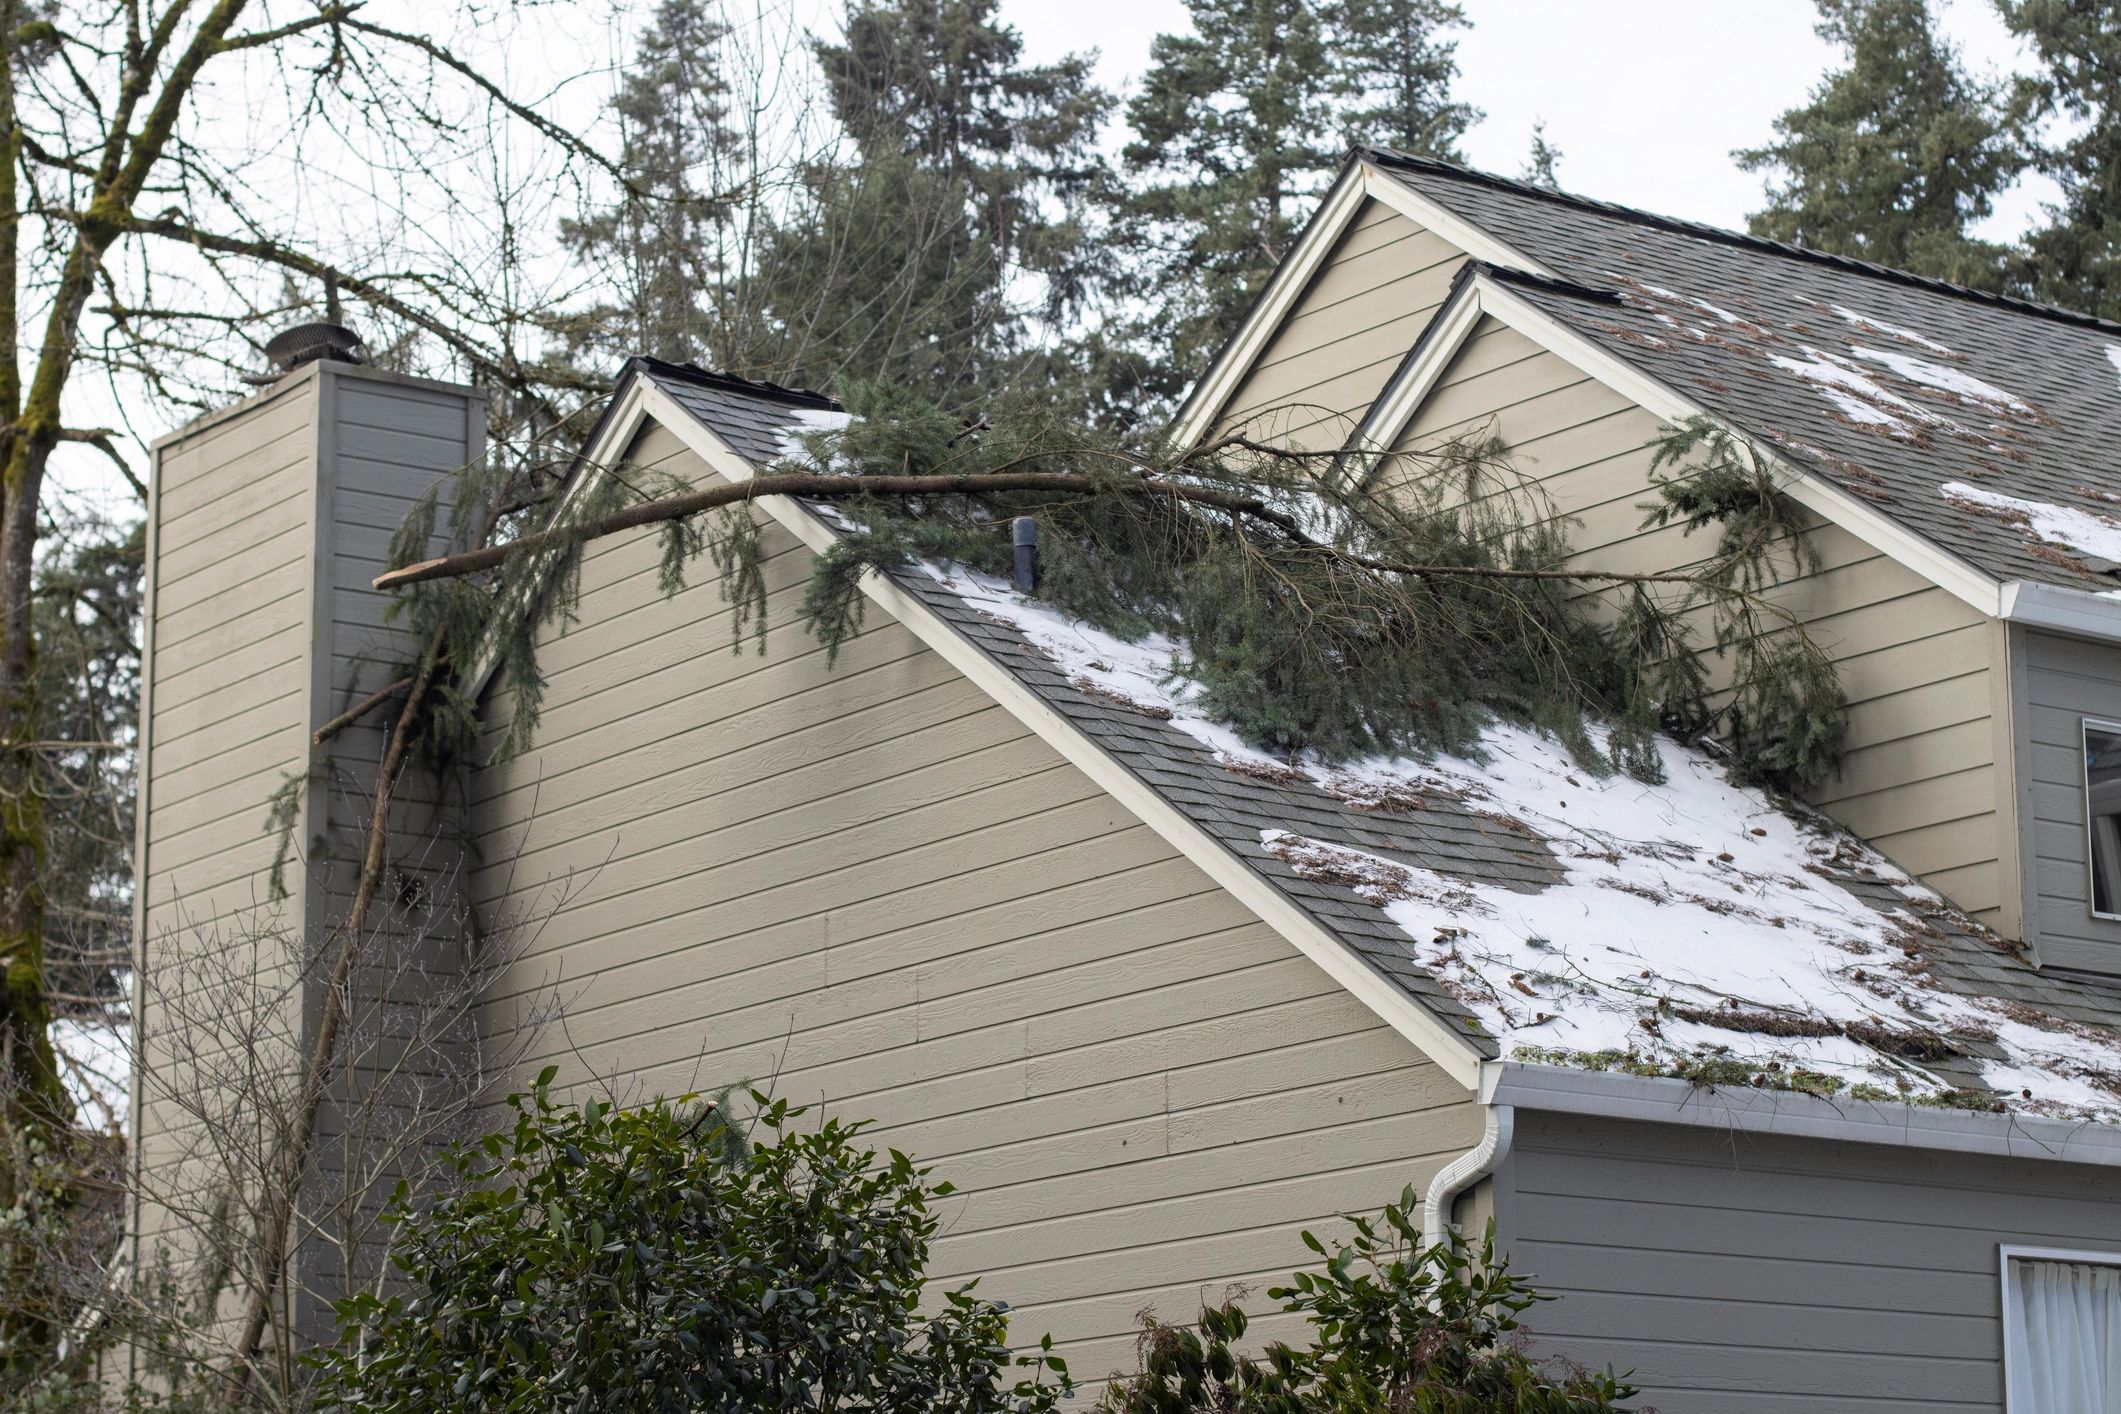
(828, 487)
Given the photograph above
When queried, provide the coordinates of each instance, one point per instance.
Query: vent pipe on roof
(1023, 536)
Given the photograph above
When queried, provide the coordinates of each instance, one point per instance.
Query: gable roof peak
(1701, 230)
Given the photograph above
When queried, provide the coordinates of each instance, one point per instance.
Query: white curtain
(2063, 1324)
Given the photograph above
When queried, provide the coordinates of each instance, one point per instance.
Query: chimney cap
(311, 343)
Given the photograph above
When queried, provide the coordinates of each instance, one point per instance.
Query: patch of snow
(1675, 901)
(1860, 397)
(1681, 903)
(95, 1061)
(808, 421)
(2086, 532)
(1954, 381)
(1865, 321)
(2113, 356)
(1701, 304)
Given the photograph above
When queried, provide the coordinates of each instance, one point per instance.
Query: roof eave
(1615, 1095)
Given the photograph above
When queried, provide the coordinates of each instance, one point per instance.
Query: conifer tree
(2075, 259)
(1234, 139)
(661, 246)
(1395, 72)
(1238, 130)
(953, 224)
(1542, 166)
(1896, 155)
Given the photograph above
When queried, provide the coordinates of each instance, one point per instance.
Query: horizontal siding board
(1743, 1271)
(869, 883)
(2066, 682)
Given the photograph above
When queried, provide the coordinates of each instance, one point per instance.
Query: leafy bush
(597, 1258)
(1397, 1326)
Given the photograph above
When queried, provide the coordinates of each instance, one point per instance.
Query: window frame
(2085, 727)
(2006, 1253)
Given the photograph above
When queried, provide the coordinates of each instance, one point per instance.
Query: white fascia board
(1474, 240)
(621, 425)
(1660, 400)
(1659, 1100)
(1428, 1032)
(1209, 396)
(2080, 613)
(1417, 377)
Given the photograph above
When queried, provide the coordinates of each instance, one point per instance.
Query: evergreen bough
(1320, 604)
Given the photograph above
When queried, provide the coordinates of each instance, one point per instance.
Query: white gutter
(2050, 606)
(1466, 1170)
(1659, 1100)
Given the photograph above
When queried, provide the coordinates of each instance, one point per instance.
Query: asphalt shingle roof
(1658, 292)
(1233, 806)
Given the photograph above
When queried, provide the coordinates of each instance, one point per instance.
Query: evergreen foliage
(1897, 155)
(1542, 166)
(649, 1259)
(1237, 130)
(955, 222)
(1395, 1324)
(663, 247)
(1350, 612)
(1395, 71)
(1233, 139)
(2075, 259)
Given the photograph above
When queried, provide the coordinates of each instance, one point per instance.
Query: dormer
(1951, 450)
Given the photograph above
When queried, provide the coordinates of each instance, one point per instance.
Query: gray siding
(265, 524)
(1921, 780)
(1364, 309)
(869, 885)
(2059, 683)
(1740, 1273)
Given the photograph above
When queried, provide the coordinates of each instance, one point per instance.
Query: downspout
(1466, 1170)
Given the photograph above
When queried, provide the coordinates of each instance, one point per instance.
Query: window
(2102, 811)
(2061, 1331)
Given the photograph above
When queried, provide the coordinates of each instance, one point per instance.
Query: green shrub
(597, 1258)
(1397, 1328)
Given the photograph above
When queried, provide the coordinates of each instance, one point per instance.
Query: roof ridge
(1703, 230)
(716, 378)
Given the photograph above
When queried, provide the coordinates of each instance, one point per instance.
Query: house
(1787, 1114)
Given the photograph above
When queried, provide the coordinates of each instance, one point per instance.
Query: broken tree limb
(829, 487)
(359, 710)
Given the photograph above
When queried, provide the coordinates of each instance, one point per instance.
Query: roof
(1982, 423)
(1308, 832)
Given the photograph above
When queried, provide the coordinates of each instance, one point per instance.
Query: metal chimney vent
(311, 343)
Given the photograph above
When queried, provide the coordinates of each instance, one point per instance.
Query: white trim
(1658, 1100)
(1401, 1012)
(1889, 537)
(1474, 240)
(1416, 378)
(1208, 397)
(2086, 725)
(1361, 179)
(2013, 1330)
(2078, 612)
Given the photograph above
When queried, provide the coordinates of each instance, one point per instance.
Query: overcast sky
(1645, 98)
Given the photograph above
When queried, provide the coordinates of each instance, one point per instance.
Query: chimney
(266, 522)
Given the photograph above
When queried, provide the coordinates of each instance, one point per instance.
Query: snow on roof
(2113, 356)
(807, 422)
(1874, 324)
(1699, 928)
(2085, 532)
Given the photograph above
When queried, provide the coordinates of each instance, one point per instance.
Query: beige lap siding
(1363, 310)
(871, 887)
(1920, 779)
